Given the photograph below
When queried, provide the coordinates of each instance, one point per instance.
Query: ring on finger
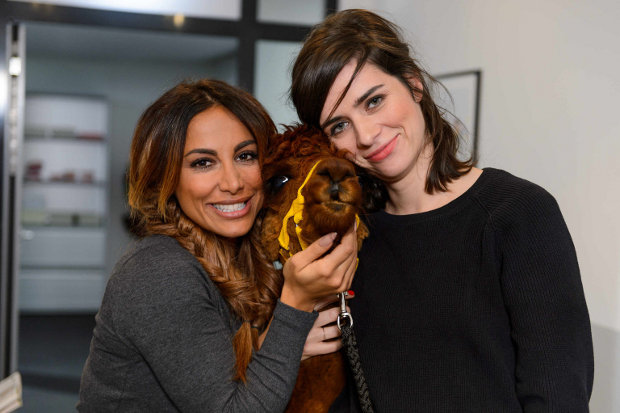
(324, 338)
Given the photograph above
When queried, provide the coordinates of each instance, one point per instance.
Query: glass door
(60, 240)
(10, 187)
(81, 105)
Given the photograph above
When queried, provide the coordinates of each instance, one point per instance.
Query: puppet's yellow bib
(295, 212)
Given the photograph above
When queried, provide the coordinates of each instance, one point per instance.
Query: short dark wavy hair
(363, 36)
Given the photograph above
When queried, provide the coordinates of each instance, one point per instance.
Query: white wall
(549, 113)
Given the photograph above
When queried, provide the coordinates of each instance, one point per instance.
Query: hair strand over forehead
(365, 37)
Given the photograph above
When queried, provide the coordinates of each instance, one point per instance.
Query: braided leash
(346, 328)
(350, 346)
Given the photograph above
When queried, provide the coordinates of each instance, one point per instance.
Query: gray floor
(52, 351)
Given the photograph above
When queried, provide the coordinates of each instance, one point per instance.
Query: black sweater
(474, 307)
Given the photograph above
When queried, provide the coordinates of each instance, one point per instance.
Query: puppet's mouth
(336, 205)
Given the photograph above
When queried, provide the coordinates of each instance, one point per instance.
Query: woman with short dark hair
(468, 292)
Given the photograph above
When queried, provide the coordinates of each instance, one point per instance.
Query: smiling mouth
(233, 210)
(382, 152)
(227, 208)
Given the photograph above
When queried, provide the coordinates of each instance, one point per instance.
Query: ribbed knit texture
(476, 306)
(163, 342)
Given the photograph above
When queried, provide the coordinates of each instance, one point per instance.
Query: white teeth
(230, 207)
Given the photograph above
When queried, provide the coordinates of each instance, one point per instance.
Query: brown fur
(332, 198)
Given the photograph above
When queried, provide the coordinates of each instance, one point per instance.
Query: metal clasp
(343, 311)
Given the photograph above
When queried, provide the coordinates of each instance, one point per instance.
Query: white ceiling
(73, 41)
(215, 9)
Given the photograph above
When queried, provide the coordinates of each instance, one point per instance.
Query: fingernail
(327, 239)
(351, 293)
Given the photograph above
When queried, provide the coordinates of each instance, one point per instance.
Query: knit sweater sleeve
(545, 302)
(172, 314)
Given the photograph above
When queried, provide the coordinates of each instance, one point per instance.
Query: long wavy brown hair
(242, 273)
(364, 36)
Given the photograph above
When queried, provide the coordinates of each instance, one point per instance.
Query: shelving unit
(64, 204)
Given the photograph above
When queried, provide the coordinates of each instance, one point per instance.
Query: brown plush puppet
(329, 201)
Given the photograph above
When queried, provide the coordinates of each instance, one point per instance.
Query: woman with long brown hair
(194, 317)
(468, 291)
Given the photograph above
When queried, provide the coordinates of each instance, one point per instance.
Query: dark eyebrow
(369, 92)
(330, 121)
(203, 151)
(358, 102)
(244, 144)
(214, 153)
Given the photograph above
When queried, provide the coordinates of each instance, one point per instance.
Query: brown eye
(248, 156)
(201, 163)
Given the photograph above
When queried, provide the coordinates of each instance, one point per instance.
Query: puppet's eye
(279, 181)
(276, 183)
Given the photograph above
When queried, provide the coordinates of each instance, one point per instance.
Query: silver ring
(324, 338)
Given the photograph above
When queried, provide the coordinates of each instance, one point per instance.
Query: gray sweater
(163, 342)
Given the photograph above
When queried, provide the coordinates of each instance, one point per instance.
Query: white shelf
(66, 290)
(63, 247)
(64, 203)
